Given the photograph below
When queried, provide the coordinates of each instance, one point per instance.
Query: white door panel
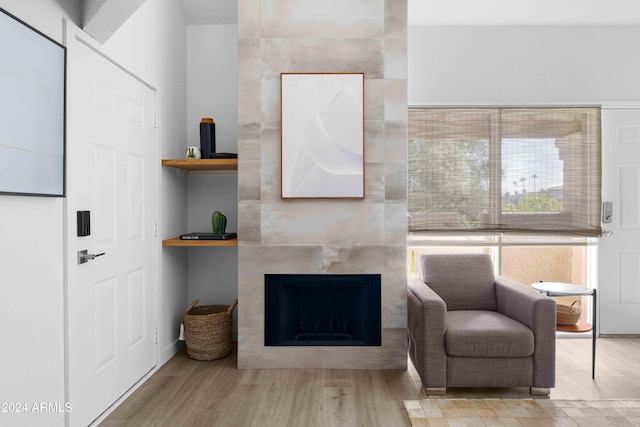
(619, 249)
(110, 310)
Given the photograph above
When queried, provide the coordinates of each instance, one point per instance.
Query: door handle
(84, 256)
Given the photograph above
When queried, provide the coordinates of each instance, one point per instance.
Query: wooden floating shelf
(176, 241)
(202, 164)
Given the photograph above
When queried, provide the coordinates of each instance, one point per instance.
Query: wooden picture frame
(322, 135)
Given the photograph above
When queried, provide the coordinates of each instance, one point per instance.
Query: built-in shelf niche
(200, 165)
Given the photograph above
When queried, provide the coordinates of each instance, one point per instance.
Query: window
(533, 170)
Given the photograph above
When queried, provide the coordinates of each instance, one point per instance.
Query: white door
(619, 248)
(110, 154)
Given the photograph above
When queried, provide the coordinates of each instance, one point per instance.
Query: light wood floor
(186, 392)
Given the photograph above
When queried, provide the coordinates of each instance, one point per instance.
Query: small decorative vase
(218, 222)
(192, 153)
(207, 137)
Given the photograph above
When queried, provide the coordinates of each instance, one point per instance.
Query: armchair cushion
(463, 282)
(477, 333)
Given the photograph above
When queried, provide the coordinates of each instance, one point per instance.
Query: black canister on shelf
(207, 137)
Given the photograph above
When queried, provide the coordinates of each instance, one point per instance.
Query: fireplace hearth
(322, 309)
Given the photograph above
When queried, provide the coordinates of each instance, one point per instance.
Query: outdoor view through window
(534, 168)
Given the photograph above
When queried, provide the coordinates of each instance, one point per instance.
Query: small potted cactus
(218, 222)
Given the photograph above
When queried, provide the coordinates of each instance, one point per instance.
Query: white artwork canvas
(322, 135)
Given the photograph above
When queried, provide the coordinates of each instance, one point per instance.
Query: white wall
(523, 64)
(152, 45)
(45, 15)
(212, 83)
(31, 268)
(31, 306)
(212, 91)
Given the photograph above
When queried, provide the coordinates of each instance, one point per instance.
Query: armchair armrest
(524, 304)
(538, 312)
(427, 327)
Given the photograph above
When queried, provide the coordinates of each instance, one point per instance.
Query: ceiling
(467, 12)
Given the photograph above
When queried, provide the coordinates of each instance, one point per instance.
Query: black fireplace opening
(322, 310)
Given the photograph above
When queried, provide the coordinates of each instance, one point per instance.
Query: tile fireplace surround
(278, 236)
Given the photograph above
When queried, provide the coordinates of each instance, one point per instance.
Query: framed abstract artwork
(322, 118)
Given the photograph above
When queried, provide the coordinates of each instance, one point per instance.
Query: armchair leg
(539, 391)
(436, 391)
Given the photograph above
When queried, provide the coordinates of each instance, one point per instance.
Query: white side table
(557, 289)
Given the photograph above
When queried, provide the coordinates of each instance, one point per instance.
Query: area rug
(440, 412)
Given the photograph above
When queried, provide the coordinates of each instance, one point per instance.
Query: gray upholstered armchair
(468, 328)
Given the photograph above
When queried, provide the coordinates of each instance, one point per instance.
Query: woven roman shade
(530, 170)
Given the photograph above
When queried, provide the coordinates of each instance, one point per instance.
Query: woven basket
(568, 314)
(207, 330)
